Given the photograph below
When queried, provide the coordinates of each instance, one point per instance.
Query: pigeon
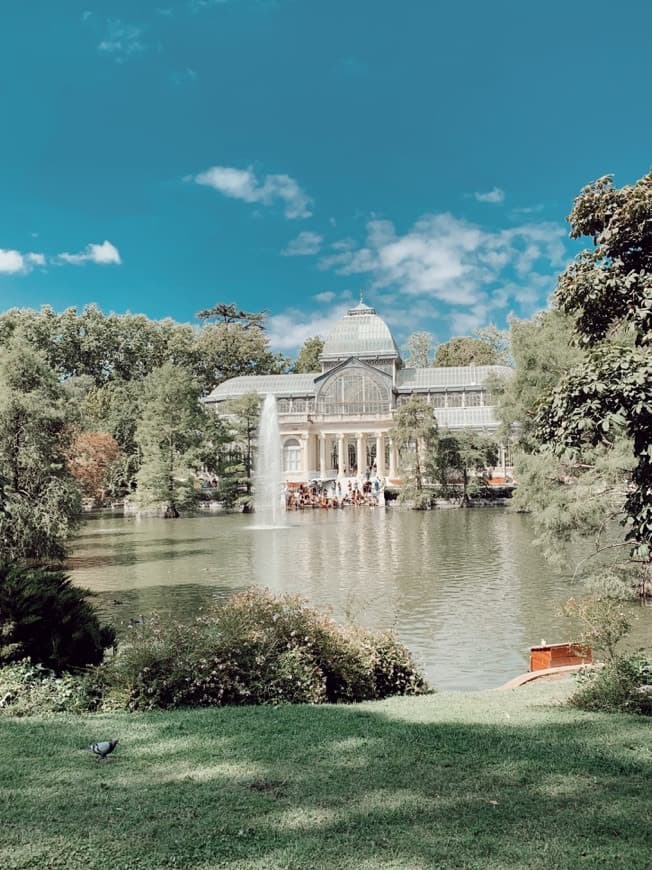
(103, 748)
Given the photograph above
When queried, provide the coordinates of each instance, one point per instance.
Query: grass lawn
(480, 780)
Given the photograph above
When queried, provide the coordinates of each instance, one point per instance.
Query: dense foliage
(102, 368)
(487, 347)
(239, 424)
(415, 433)
(45, 618)
(40, 501)
(624, 682)
(463, 458)
(307, 360)
(542, 353)
(608, 290)
(91, 462)
(256, 649)
(418, 350)
(170, 432)
(28, 689)
(127, 347)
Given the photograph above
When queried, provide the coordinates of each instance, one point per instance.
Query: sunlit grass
(486, 780)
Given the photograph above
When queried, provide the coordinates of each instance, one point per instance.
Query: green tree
(41, 500)
(308, 359)
(488, 347)
(415, 432)
(241, 417)
(230, 313)
(44, 617)
(127, 347)
(464, 456)
(226, 350)
(114, 408)
(170, 431)
(608, 289)
(418, 350)
(542, 352)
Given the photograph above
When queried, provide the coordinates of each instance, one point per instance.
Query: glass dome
(360, 333)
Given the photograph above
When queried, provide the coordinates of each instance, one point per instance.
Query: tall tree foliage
(226, 350)
(464, 456)
(543, 352)
(127, 347)
(169, 433)
(608, 290)
(41, 500)
(418, 350)
(308, 358)
(489, 346)
(241, 418)
(415, 433)
(91, 456)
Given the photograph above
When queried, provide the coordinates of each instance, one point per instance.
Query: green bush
(256, 649)
(27, 689)
(45, 618)
(623, 684)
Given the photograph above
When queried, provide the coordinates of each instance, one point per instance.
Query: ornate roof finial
(361, 296)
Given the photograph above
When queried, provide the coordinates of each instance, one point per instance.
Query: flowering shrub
(624, 683)
(257, 648)
(27, 689)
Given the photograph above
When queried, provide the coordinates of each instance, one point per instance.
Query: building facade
(339, 423)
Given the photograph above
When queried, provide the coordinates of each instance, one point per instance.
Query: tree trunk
(171, 512)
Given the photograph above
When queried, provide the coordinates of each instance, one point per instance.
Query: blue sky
(160, 156)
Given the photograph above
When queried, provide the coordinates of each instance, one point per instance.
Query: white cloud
(465, 322)
(289, 330)
(243, 184)
(15, 263)
(450, 260)
(494, 196)
(121, 41)
(529, 209)
(11, 262)
(304, 245)
(326, 296)
(104, 254)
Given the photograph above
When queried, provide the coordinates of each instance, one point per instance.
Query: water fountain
(268, 497)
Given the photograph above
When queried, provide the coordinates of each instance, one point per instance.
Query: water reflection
(464, 589)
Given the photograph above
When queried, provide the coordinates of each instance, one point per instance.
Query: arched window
(291, 455)
(354, 393)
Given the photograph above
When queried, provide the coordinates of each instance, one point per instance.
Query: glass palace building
(338, 423)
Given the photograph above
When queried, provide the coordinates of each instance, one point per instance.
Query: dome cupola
(361, 333)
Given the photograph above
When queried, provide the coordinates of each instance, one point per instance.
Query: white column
(360, 458)
(322, 455)
(341, 459)
(392, 458)
(380, 454)
(305, 463)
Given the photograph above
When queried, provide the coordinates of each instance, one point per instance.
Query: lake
(464, 589)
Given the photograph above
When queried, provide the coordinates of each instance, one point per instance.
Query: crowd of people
(335, 494)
